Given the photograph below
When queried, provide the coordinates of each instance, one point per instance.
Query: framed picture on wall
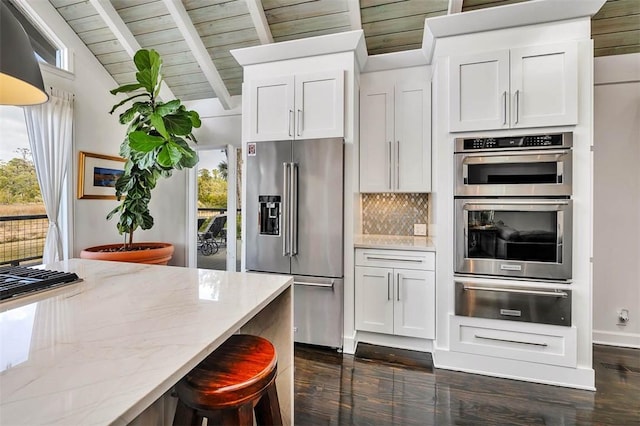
(97, 175)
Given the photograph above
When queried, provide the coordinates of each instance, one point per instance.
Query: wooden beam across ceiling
(120, 30)
(256, 10)
(354, 14)
(199, 51)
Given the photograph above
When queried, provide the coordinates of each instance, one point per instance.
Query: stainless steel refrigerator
(294, 219)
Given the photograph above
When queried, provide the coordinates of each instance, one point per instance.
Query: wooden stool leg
(242, 416)
(268, 408)
(186, 416)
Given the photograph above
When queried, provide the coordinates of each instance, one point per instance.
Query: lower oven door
(528, 304)
(528, 238)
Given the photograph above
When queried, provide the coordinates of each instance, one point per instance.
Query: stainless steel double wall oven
(513, 219)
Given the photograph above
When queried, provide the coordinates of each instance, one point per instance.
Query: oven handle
(504, 202)
(491, 157)
(515, 290)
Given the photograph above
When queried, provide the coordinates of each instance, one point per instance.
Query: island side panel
(275, 323)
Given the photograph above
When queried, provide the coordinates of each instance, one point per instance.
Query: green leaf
(195, 119)
(168, 108)
(146, 80)
(140, 141)
(178, 123)
(126, 88)
(169, 156)
(158, 123)
(147, 221)
(146, 161)
(113, 212)
(142, 59)
(189, 161)
(125, 101)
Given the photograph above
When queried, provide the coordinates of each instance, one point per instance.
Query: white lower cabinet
(395, 292)
(541, 343)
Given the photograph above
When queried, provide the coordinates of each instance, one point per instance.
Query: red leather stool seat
(227, 387)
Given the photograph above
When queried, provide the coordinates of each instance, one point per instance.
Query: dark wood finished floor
(337, 389)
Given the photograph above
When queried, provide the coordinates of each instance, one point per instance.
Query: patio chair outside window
(211, 238)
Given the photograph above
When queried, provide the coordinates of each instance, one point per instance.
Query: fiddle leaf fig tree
(155, 143)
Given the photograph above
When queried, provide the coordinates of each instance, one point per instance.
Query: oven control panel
(558, 140)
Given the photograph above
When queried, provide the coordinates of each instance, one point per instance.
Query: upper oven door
(544, 172)
(529, 238)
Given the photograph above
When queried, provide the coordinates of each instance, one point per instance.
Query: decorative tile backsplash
(393, 214)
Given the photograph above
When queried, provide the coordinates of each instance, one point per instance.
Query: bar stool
(227, 387)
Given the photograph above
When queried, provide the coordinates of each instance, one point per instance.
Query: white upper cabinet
(305, 106)
(526, 87)
(395, 137)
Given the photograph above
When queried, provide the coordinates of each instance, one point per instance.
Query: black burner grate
(18, 280)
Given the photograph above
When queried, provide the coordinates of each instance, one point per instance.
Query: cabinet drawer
(406, 259)
(541, 343)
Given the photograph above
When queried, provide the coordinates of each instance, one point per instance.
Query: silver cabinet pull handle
(504, 107)
(398, 279)
(515, 290)
(390, 164)
(517, 106)
(388, 285)
(392, 259)
(290, 122)
(398, 165)
(544, 345)
(299, 122)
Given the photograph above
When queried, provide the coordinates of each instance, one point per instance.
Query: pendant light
(20, 78)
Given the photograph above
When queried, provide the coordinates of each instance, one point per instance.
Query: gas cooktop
(19, 280)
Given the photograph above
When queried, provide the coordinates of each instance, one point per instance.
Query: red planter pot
(154, 253)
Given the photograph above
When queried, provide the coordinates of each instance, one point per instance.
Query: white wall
(616, 262)
(98, 132)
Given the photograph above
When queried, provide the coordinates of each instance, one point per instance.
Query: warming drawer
(541, 343)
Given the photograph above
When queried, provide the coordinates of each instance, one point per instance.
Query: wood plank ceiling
(194, 37)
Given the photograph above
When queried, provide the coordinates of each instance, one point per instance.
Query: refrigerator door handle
(328, 284)
(294, 209)
(285, 210)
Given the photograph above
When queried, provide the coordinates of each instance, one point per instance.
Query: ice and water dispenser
(270, 206)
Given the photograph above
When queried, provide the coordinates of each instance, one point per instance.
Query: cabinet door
(271, 109)
(544, 85)
(374, 299)
(413, 137)
(479, 93)
(376, 136)
(414, 311)
(319, 103)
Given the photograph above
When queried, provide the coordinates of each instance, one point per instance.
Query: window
(45, 50)
(23, 222)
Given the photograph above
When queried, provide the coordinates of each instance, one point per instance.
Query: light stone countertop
(395, 242)
(102, 350)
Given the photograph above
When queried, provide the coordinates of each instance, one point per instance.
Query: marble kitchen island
(108, 350)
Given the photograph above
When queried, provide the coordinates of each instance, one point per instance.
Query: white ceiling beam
(256, 10)
(355, 18)
(455, 6)
(119, 29)
(199, 51)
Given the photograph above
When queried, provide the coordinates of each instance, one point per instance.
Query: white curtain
(49, 127)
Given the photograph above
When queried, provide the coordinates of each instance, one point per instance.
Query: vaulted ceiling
(194, 37)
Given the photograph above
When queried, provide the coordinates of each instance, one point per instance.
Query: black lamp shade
(20, 77)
